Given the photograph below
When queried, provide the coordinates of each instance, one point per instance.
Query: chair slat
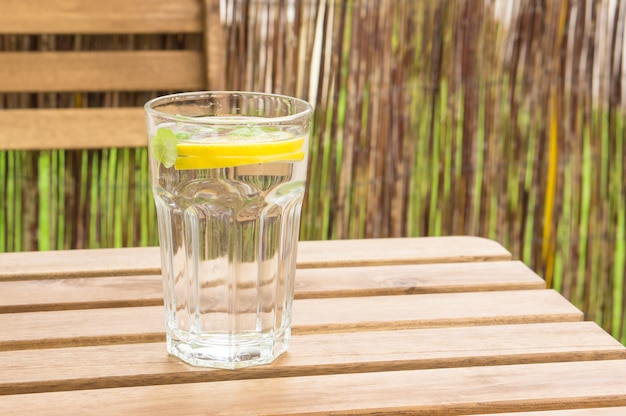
(100, 17)
(100, 71)
(85, 128)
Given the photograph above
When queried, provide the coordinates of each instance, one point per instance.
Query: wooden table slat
(80, 263)
(311, 254)
(414, 279)
(605, 411)
(34, 330)
(148, 363)
(431, 310)
(142, 290)
(378, 251)
(433, 326)
(491, 389)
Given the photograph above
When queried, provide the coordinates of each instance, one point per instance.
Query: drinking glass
(228, 173)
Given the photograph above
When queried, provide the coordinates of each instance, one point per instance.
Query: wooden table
(434, 326)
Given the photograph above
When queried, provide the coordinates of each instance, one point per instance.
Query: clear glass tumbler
(228, 176)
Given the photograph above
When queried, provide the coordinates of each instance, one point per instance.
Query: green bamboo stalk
(4, 191)
(619, 251)
(95, 202)
(45, 198)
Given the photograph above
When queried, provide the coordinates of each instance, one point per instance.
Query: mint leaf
(163, 147)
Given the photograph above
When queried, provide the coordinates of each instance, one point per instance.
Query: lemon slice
(198, 155)
(239, 148)
(214, 162)
(243, 146)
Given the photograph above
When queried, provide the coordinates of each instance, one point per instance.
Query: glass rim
(150, 108)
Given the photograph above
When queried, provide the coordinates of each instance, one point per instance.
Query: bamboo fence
(495, 118)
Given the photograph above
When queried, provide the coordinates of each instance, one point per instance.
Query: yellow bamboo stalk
(553, 160)
(548, 248)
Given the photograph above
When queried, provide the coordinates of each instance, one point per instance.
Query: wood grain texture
(36, 330)
(413, 279)
(431, 310)
(80, 263)
(100, 17)
(81, 327)
(605, 411)
(390, 327)
(311, 254)
(85, 128)
(473, 390)
(381, 251)
(81, 293)
(145, 290)
(100, 71)
(318, 354)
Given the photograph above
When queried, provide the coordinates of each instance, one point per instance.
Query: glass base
(228, 352)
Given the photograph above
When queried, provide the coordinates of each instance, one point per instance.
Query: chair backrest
(67, 71)
(74, 75)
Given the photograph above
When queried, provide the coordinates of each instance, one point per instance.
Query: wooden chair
(42, 71)
(85, 71)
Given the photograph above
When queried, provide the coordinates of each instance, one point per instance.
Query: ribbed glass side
(228, 250)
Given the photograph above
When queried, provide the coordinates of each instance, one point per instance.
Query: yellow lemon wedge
(211, 162)
(202, 155)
